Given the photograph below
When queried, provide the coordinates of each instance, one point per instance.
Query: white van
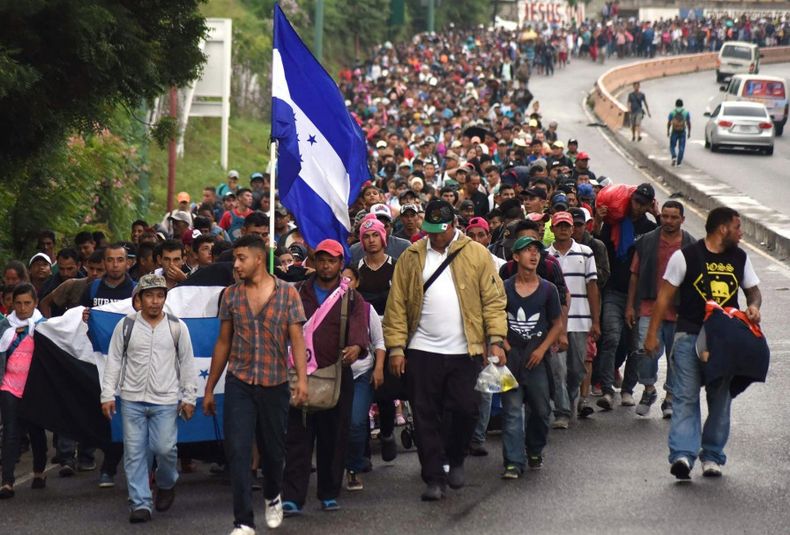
(768, 90)
(737, 57)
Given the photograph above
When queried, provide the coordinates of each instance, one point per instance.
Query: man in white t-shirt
(578, 268)
(446, 307)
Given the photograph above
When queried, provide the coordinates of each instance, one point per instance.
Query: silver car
(740, 124)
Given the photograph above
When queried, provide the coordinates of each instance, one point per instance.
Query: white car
(740, 124)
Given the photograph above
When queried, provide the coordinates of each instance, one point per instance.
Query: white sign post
(210, 95)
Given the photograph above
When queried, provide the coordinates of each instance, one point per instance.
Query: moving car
(737, 57)
(770, 90)
(740, 124)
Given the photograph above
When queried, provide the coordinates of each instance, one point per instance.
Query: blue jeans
(647, 365)
(687, 438)
(677, 139)
(148, 430)
(247, 408)
(558, 364)
(360, 422)
(479, 437)
(612, 323)
(529, 402)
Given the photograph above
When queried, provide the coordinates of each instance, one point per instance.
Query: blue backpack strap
(94, 291)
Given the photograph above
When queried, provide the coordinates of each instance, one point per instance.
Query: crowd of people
(481, 233)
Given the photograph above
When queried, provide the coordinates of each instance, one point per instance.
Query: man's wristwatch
(499, 344)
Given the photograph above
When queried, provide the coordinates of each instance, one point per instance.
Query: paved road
(605, 475)
(762, 177)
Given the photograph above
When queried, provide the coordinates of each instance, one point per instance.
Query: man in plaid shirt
(259, 316)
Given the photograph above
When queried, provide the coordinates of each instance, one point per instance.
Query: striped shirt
(578, 268)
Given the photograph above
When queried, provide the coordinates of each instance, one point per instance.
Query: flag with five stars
(322, 157)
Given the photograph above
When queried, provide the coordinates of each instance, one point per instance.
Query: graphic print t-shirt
(529, 318)
(725, 273)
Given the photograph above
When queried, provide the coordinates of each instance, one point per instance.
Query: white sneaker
(273, 511)
(243, 530)
(711, 469)
(627, 399)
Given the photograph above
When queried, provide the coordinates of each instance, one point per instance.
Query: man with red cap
(578, 267)
(328, 428)
(479, 230)
(582, 166)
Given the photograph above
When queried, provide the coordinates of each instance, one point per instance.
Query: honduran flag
(64, 385)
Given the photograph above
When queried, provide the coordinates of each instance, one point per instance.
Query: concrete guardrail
(615, 115)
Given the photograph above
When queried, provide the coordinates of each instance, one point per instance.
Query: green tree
(66, 66)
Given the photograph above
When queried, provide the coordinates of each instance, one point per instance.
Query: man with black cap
(444, 327)
(615, 293)
(410, 221)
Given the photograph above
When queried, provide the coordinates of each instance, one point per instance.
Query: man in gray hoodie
(150, 361)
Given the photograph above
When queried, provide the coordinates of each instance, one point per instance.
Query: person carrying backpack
(151, 363)
(678, 129)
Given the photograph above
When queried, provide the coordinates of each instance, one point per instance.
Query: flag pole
(272, 182)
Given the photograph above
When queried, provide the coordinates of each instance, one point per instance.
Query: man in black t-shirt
(534, 320)
(615, 293)
(115, 285)
(726, 269)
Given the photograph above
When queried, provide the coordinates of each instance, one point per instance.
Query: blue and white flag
(322, 161)
(62, 392)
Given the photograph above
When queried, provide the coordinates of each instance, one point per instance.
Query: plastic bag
(495, 379)
(616, 198)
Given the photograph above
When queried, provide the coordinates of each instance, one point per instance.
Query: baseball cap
(180, 215)
(582, 156)
(42, 256)
(572, 142)
(381, 144)
(410, 208)
(189, 236)
(594, 182)
(585, 190)
(540, 193)
(560, 200)
(478, 222)
(233, 174)
(451, 155)
(578, 215)
(561, 217)
(280, 210)
(429, 139)
(256, 176)
(439, 216)
(559, 144)
(381, 210)
(644, 193)
(229, 194)
(151, 281)
(331, 247)
(183, 197)
(525, 241)
(533, 123)
(298, 251)
(466, 204)
(407, 193)
(605, 182)
(536, 217)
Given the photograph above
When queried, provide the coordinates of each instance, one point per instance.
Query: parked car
(770, 90)
(740, 124)
(737, 57)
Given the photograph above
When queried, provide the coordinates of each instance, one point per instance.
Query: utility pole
(318, 39)
(171, 152)
(431, 16)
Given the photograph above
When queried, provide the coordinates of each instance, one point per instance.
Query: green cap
(525, 241)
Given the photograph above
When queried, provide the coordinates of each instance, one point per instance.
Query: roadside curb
(768, 228)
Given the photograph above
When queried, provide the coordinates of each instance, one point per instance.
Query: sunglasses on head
(440, 215)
